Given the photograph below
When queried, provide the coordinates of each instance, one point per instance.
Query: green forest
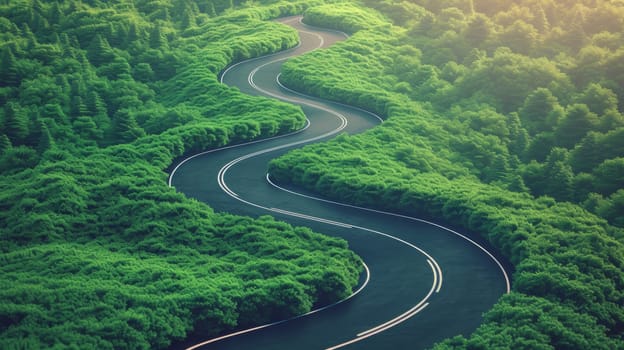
(503, 118)
(99, 99)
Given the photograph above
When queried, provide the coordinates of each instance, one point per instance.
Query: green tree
(521, 37)
(15, 124)
(125, 128)
(100, 52)
(18, 158)
(560, 180)
(157, 39)
(54, 112)
(55, 14)
(87, 129)
(188, 18)
(95, 104)
(541, 21)
(604, 18)
(506, 79)
(45, 140)
(516, 183)
(611, 120)
(614, 69)
(518, 135)
(78, 107)
(479, 29)
(5, 144)
(575, 125)
(9, 75)
(553, 178)
(143, 72)
(425, 25)
(612, 208)
(609, 176)
(588, 153)
(598, 99)
(540, 112)
(582, 186)
(118, 68)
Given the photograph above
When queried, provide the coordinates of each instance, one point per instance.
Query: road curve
(424, 282)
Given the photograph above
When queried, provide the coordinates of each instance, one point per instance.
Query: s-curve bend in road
(425, 282)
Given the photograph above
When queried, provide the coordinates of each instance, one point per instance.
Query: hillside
(99, 100)
(502, 118)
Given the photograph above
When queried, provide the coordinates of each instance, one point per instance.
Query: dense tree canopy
(504, 118)
(498, 121)
(99, 98)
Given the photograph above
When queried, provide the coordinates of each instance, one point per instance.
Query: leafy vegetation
(99, 99)
(504, 118)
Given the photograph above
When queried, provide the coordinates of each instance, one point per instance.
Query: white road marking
(435, 268)
(249, 330)
(436, 272)
(498, 263)
(362, 337)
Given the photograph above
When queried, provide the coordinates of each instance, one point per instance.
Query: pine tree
(95, 104)
(100, 52)
(498, 169)
(99, 114)
(78, 107)
(157, 39)
(5, 144)
(425, 26)
(55, 14)
(537, 108)
(479, 29)
(45, 139)
(134, 32)
(576, 124)
(9, 75)
(560, 178)
(15, 123)
(558, 175)
(78, 86)
(518, 136)
(188, 18)
(587, 154)
(38, 6)
(55, 112)
(66, 46)
(599, 99)
(516, 184)
(63, 84)
(27, 33)
(125, 128)
(86, 128)
(40, 23)
(541, 20)
(211, 10)
(74, 6)
(166, 16)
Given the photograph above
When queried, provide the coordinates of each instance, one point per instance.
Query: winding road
(423, 282)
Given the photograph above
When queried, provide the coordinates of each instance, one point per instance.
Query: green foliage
(99, 98)
(497, 113)
(15, 123)
(9, 75)
(493, 140)
(577, 122)
(342, 16)
(541, 111)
